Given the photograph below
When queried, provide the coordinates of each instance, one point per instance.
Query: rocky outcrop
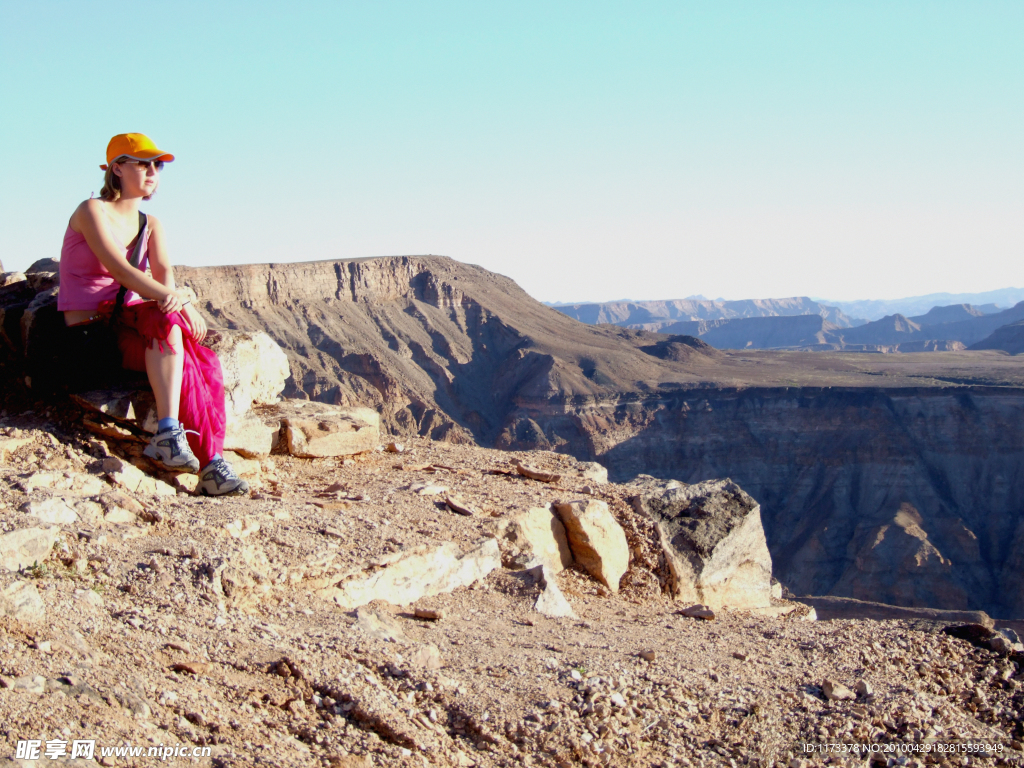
(828, 608)
(342, 433)
(597, 541)
(536, 535)
(905, 497)
(713, 542)
(405, 577)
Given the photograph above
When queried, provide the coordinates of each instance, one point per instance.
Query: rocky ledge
(436, 604)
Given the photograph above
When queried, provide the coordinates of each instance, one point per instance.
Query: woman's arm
(163, 273)
(90, 220)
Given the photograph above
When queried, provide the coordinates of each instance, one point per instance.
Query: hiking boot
(170, 450)
(219, 479)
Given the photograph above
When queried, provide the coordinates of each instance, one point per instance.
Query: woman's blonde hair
(111, 190)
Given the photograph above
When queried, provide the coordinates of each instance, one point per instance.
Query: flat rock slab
(26, 546)
(714, 543)
(21, 601)
(596, 540)
(134, 479)
(51, 511)
(345, 432)
(829, 607)
(407, 576)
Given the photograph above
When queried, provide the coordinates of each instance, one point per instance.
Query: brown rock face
(439, 348)
(832, 446)
(713, 542)
(454, 352)
(598, 543)
(352, 430)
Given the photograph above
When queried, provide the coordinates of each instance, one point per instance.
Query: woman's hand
(195, 321)
(172, 302)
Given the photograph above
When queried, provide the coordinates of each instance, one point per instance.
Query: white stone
(118, 516)
(26, 546)
(21, 601)
(249, 436)
(591, 470)
(551, 601)
(242, 529)
(52, 511)
(597, 541)
(540, 533)
(405, 577)
(255, 369)
(347, 431)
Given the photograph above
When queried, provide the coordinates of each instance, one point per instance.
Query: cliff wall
(908, 497)
(884, 479)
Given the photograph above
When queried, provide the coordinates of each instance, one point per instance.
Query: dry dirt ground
(147, 639)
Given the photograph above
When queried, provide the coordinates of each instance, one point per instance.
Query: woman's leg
(164, 369)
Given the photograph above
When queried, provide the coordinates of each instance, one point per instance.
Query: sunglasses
(145, 164)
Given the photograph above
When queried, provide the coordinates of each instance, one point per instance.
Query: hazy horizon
(727, 149)
(818, 299)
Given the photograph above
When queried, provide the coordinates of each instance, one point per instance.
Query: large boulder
(597, 541)
(538, 534)
(255, 369)
(714, 543)
(339, 432)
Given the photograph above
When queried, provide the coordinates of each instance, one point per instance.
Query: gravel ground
(202, 622)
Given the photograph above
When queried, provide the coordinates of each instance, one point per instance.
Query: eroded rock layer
(891, 480)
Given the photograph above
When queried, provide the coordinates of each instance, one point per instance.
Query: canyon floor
(202, 622)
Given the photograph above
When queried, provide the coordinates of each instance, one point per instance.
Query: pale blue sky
(590, 150)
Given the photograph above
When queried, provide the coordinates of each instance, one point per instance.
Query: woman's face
(138, 178)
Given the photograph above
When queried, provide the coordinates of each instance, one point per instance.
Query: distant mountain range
(659, 316)
(875, 309)
(802, 323)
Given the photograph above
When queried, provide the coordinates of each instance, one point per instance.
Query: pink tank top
(84, 282)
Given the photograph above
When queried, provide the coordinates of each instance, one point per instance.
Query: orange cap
(137, 146)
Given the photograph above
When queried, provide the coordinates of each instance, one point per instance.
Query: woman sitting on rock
(99, 284)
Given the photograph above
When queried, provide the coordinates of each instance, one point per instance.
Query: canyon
(895, 479)
(888, 478)
(800, 323)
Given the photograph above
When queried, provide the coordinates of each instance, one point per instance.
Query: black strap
(135, 261)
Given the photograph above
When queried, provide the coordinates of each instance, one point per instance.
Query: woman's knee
(171, 345)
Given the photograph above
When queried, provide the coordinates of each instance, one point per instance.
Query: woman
(160, 336)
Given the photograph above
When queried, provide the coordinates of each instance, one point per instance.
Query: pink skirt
(202, 409)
